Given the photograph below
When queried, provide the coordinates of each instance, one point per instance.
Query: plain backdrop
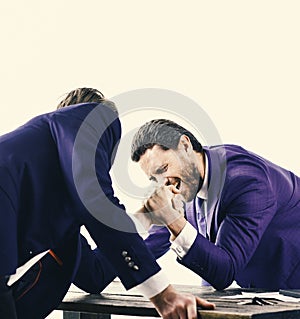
(238, 59)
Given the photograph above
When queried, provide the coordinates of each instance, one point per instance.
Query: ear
(185, 143)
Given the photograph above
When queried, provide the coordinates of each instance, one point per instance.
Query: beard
(193, 181)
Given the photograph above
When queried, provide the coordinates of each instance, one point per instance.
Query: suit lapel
(217, 170)
(190, 211)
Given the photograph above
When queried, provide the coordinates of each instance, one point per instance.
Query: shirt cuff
(154, 285)
(184, 241)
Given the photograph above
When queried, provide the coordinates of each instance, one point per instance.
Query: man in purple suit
(242, 212)
(54, 177)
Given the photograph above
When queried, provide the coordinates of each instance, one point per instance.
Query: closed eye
(162, 169)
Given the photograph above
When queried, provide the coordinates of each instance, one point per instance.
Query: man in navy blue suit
(242, 213)
(54, 177)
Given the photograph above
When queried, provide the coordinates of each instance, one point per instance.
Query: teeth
(175, 182)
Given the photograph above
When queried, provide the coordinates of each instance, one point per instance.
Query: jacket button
(127, 259)
(131, 264)
(135, 267)
(124, 253)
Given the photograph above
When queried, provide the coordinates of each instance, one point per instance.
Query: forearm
(94, 272)
(158, 240)
(210, 262)
(176, 227)
(127, 253)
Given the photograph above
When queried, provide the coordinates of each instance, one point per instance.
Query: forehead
(153, 158)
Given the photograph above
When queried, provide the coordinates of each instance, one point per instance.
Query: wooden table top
(116, 300)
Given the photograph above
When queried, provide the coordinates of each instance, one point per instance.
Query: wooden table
(116, 300)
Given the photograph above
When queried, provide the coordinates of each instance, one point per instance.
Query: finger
(148, 214)
(147, 206)
(191, 309)
(173, 189)
(180, 197)
(157, 191)
(152, 191)
(145, 203)
(142, 210)
(152, 204)
(205, 304)
(181, 211)
(173, 316)
(177, 206)
(177, 200)
(182, 314)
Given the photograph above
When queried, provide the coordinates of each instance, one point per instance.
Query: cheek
(145, 165)
(180, 167)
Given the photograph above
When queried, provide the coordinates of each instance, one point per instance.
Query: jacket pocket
(27, 281)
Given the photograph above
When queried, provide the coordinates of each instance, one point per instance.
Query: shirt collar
(203, 192)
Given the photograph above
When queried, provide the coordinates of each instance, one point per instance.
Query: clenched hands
(165, 206)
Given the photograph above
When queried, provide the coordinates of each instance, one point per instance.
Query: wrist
(176, 227)
(163, 300)
(158, 299)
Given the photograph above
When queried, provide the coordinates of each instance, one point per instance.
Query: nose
(161, 180)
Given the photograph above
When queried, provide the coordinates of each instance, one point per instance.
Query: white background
(238, 59)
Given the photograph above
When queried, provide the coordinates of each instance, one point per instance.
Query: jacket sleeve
(158, 240)
(86, 156)
(95, 272)
(248, 206)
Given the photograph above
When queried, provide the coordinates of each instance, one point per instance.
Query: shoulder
(239, 162)
(244, 171)
(96, 116)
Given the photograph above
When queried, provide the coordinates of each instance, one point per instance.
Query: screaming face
(174, 167)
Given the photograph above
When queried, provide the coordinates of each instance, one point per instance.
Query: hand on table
(172, 305)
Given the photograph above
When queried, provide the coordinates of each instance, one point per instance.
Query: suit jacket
(253, 224)
(47, 191)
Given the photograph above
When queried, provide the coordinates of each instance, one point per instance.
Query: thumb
(204, 304)
(173, 189)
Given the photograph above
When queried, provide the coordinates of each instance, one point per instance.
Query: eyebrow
(161, 169)
(158, 171)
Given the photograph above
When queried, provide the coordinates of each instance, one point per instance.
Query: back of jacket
(54, 177)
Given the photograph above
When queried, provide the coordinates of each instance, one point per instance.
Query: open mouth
(177, 183)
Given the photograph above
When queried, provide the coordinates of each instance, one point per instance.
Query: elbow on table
(221, 285)
(222, 278)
